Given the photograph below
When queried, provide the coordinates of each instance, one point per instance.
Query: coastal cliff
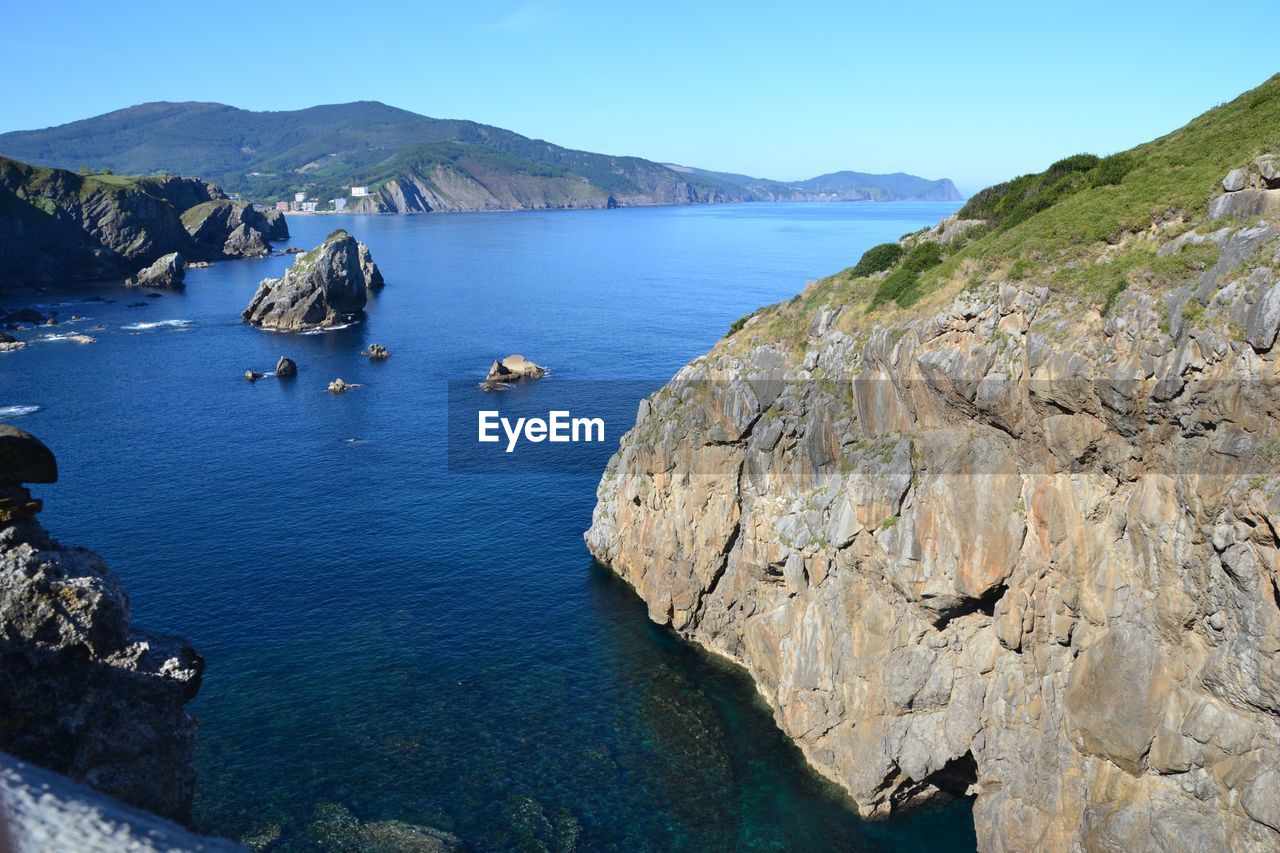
(57, 225)
(996, 512)
(83, 692)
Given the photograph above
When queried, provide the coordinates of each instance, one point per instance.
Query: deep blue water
(410, 643)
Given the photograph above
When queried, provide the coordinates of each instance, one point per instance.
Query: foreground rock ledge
(980, 558)
(325, 287)
(82, 691)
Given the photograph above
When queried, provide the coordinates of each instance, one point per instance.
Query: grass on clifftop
(1067, 227)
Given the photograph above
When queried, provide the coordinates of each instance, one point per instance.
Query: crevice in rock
(957, 778)
(985, 603)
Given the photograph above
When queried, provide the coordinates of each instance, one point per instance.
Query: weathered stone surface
(1264, 319)
(1236, 180)
(1245, 204)
(229, 229)
(48, 811)
(286, 367)
(277, 227)
(372, 275)
(83, 691)
(1015, 548)
(167, 273)
(324, 287)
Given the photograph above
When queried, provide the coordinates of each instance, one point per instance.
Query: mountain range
(409, 163)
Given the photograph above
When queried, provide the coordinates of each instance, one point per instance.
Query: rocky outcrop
(277, 227)
(377, 352)
(372, 275)
(166, 273)
(1018, 549)
(48, 811)
(340, 386)
(82, 691)
(56, 225)
(286, 367)
(324, 287)
(513, 368)
(1249, 192)
(231, 229)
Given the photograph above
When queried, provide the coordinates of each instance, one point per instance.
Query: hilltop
(409, 162)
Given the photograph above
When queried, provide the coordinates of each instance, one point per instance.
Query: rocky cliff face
(56, 225)
(82, 691)
(324, 287)
(1024, 548)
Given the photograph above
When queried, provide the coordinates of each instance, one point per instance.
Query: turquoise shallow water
(390, 641)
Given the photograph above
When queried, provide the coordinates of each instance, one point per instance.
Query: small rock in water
(154, 295)
(377, 352)
(338, 386)
(286, 367)
(252, 375)
(510, 369)
(137, 305)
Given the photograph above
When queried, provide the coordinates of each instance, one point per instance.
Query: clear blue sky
(971, 91)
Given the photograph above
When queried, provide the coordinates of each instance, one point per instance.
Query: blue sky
(971, 91)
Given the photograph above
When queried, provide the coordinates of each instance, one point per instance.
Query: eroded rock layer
(1019, 549)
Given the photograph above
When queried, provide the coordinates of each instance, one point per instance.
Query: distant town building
(309, 206)
(357, 192)
(339, 204)
(283, 206)
(299, 197)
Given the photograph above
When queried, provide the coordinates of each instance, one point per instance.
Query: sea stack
(512, 369)
(167, 272)
(325, 287)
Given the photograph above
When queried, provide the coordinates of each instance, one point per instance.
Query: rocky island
(325, 287)
(999, 515)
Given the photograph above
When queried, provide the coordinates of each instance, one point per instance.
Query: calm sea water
(404, 643)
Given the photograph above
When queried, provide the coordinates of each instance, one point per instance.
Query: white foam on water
(67, 336)
(157, 324)
(328, 329)
(17, 411)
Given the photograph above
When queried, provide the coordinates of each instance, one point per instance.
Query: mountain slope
(410, 162)
(995, 512)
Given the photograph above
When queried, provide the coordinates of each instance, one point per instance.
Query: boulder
(1236, 180)
(1245, 204)
(1268, 167)
(252, 375)
(286, 367)
(167, 272)
(325, 287)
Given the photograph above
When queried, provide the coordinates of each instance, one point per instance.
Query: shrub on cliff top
(877, 259)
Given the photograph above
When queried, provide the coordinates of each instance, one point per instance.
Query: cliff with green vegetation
(410, 163)
(995, 512)
(57, 225)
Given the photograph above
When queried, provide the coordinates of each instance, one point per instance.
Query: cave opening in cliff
(985, 603)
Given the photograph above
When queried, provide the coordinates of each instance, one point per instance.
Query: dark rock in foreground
(167, 272)
(286, 367)
(325, 287)
(82, 691)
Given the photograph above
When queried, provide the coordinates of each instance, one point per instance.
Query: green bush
(923, 257)
(900, 281)
(1112, 170)
(877, 259)
(739, 323)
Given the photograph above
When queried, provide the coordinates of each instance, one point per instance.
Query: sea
(395, 639)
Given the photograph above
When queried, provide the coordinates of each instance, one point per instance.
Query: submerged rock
(82, 691)
(286, 367)
(167, 272)
(324, 287)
